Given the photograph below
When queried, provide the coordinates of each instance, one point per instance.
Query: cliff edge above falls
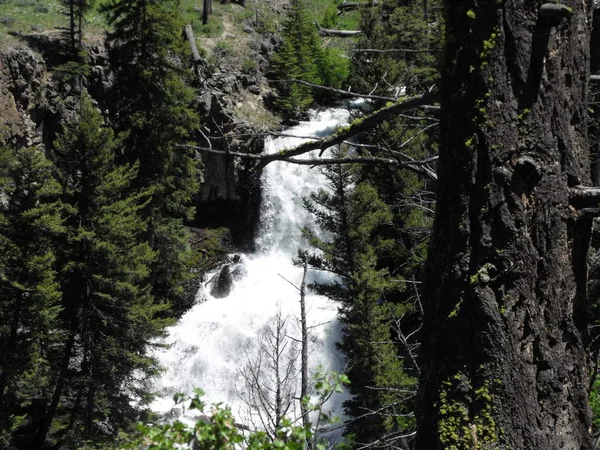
(231, 96)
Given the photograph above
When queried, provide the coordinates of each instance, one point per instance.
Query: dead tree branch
(345, 133)
(353, 6)
(189, 34)
(584, 194)
(393, 50)
(339, 33)
(304, 353)
(417, 166)
(336, 91)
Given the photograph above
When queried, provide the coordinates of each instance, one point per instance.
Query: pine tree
(414, 29)
(357, 221)
(293, 97)
(109, 313)
(302, 57)
(75, 10)
(154, 108)
(29, 291)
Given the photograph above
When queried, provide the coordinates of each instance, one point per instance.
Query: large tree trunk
(505, 334)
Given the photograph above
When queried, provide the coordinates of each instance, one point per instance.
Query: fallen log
(353, 6)
(338, 33)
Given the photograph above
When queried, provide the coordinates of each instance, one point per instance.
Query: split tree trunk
(505, 334)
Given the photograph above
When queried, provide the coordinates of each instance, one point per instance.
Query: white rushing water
(218, 340)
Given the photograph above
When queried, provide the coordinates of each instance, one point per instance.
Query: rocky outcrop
(230, 188)
(23, 100)
(36, 99)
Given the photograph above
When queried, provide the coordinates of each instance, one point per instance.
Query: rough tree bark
(505, 333)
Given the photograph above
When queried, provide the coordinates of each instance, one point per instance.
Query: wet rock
(223, 284)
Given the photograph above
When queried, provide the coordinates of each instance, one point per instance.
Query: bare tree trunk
(304, 353)
(206, 10)
(505, 304)
(58, 390)
(595, 99)
(72, 29)
(189, 34)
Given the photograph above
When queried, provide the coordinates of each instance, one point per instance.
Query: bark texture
(505, 335)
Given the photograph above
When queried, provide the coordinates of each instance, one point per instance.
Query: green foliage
(334, 67)
(249, 66)
(465, 428)
(302, 56)
(27, 16)
(356, 219)
(213, 29)
(76, 11)
(108, 312)
(222, 51)
(29, 292)
(217, 430)
(71, 73)
(399, 25)
(154, 107)
(154, 104)
(595, 406)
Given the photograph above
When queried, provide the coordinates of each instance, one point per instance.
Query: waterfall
(214, 344)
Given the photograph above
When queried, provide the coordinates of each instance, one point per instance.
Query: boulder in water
(223, 284)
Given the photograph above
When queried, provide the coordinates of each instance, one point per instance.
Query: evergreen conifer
(108, 311)
(303, 57)
(154, 106)
(29, 292)
(357, 219)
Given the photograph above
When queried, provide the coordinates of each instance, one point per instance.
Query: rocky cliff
(35, 102)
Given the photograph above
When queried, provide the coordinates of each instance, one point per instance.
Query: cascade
(221, 341)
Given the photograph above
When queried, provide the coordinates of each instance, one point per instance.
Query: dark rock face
(35, 102)
(229, 192)
(23, 100)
